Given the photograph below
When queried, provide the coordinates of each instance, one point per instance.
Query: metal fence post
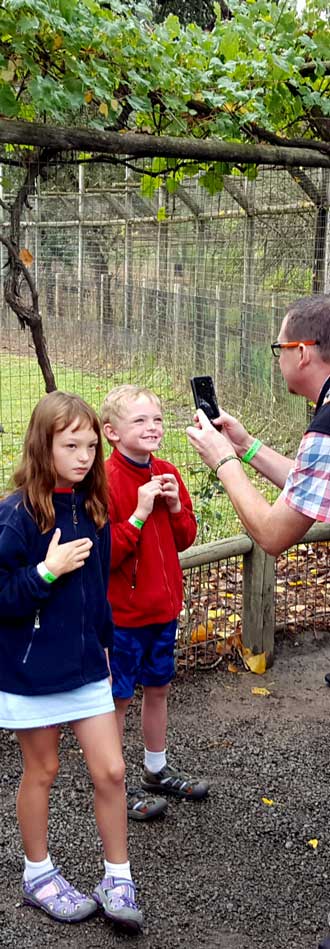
(258, 602)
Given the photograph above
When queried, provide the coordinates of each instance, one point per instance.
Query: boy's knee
(156, 693)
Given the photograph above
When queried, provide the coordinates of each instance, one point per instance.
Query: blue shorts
(142, 655)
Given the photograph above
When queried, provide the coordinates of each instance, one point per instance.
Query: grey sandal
(52, 893)
(144, 806)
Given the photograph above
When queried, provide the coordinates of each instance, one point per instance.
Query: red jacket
(145, 579)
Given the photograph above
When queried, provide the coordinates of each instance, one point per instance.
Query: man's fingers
(203, 419)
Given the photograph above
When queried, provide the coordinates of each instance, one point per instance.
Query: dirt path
(230, 873)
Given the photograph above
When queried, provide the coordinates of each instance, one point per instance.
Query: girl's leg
(154, 717)
(100, 742)
(39, 748)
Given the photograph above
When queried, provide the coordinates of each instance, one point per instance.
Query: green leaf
(161, 214)
(172, 185)
(212, 181)
(8, 103)
(149, 185)
(67, 9)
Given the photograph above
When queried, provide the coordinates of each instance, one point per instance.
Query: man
(303, 348)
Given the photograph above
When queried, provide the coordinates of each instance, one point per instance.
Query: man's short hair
(114, 404)
(309, 318)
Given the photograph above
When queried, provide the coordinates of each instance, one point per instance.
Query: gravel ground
(229, 873)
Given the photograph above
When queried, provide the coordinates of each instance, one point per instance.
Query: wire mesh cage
(145, 285)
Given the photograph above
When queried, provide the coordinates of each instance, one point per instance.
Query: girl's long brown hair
(35, 477)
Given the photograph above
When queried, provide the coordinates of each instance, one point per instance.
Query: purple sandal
(52, 893)
(117, 897)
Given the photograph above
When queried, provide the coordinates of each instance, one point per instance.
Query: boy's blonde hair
(114, 404)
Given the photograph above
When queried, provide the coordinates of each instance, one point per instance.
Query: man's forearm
(275, 527)
(272, 465)
(252, 508)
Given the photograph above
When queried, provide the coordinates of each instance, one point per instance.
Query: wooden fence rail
(258, 613)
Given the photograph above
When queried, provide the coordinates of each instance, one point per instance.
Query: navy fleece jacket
(52, 635)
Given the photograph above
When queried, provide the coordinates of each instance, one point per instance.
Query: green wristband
(252, 451)
(136, 521)
(223, 462)
(44, 573)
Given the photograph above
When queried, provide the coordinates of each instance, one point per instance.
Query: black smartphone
(204, 395)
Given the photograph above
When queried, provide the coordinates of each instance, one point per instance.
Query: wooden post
(1, 222)
(128, 262)
(143, 305)
(177, 297)
(81, 190)
(101, 302)
(247, 314)
(57, 299)
(258, 602)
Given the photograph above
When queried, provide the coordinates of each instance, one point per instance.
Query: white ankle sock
(121, 870)
(154, 760)
(37, 869)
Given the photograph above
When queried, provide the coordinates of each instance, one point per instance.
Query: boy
(151, 519)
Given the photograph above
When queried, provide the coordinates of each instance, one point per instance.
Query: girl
(55, 631)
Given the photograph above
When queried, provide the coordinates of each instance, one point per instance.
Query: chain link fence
(154, 286)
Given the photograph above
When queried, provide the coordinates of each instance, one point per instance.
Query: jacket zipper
(136, 561)
(36, 626)
(83, 596)
(134, 572)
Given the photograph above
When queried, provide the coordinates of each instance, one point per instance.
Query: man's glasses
(276, 347)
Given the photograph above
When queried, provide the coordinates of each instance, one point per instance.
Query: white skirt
(37, 711)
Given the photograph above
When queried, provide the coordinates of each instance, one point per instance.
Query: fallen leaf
(234, 618)
(231, 667)
(25, 256)
(257, 663)
(313, 843)
(268, 801)
(223, 648)
(200, 634)
(103, 109)
(257, 691)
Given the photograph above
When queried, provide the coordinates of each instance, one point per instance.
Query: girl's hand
(63, 558)
(170, 491)
(211, 445)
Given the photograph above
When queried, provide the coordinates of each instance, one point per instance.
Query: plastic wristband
(135, 521)
(223, 462)
(252, 451)
(44, 573)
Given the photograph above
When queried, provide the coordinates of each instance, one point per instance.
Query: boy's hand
(63, 558)
(146, 498)
(170, 491)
